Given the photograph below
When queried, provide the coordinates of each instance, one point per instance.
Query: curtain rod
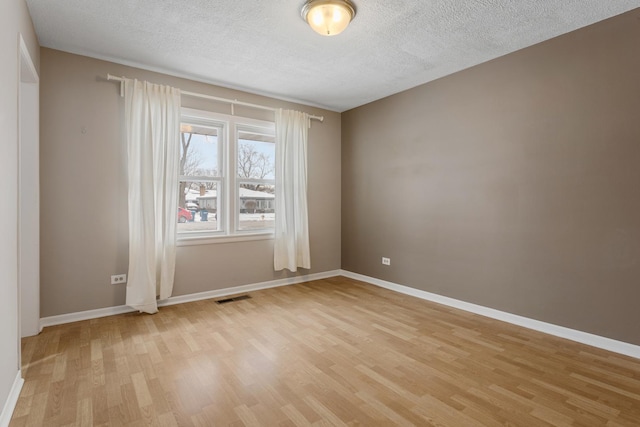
(214, 98)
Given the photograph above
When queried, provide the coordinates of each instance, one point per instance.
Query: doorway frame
(28, 203)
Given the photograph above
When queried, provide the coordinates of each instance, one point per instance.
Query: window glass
(257, 206)
(256, 155)
(201, 207)
(199, 151)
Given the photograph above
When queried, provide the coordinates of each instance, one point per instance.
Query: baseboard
(12, 400)
(537, 325)
(84, 315)
(248, 288)
(110, 311)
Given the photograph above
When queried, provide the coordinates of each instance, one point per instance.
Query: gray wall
(14, 19)
(514, 184)
(84, 236)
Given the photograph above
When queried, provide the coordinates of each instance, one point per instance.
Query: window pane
(199, 150)
(199, 206)
(256, 155)
(257, 204)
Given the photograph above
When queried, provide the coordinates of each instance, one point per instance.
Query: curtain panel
(291, 244)
(152, 114)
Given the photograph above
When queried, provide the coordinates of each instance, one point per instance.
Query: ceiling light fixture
(328, 17)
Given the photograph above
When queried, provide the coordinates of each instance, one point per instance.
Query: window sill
(212, 240)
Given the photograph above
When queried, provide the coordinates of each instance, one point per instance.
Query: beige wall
(514, 184)
(14, 20)
(84, 193)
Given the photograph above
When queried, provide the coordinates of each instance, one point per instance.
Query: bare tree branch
(253, 165)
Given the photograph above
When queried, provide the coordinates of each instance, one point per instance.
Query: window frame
(229, 182)
(258, 130)
(220, 180)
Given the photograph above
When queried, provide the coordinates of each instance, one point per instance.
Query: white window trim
(227, 238)
(230, 190)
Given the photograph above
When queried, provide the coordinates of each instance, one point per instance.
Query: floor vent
(238, 298)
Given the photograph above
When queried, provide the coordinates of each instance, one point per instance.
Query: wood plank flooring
(329, 352)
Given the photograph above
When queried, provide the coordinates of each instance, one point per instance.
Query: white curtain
(152, 114)
(291, 247)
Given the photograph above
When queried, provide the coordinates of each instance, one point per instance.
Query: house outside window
(226, 176)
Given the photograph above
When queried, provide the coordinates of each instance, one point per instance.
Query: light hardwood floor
(328, 352)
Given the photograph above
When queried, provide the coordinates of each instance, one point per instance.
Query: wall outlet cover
(118, 279)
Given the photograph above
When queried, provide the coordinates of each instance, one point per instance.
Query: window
(226, 176)
(200, 177)
(255, 178)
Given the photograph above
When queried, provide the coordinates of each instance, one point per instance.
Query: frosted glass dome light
(328, 17)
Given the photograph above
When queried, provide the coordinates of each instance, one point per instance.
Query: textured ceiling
(264, 47)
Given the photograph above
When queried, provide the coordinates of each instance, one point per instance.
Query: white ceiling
(264, 46)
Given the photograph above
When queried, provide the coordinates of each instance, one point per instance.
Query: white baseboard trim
(12, 400)
(217, 293)
(84, 315)
(537, 325)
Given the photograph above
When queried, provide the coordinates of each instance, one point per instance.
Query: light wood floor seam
(332, 352)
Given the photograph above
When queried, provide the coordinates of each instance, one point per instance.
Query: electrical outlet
(118, 279)
(386, 261)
